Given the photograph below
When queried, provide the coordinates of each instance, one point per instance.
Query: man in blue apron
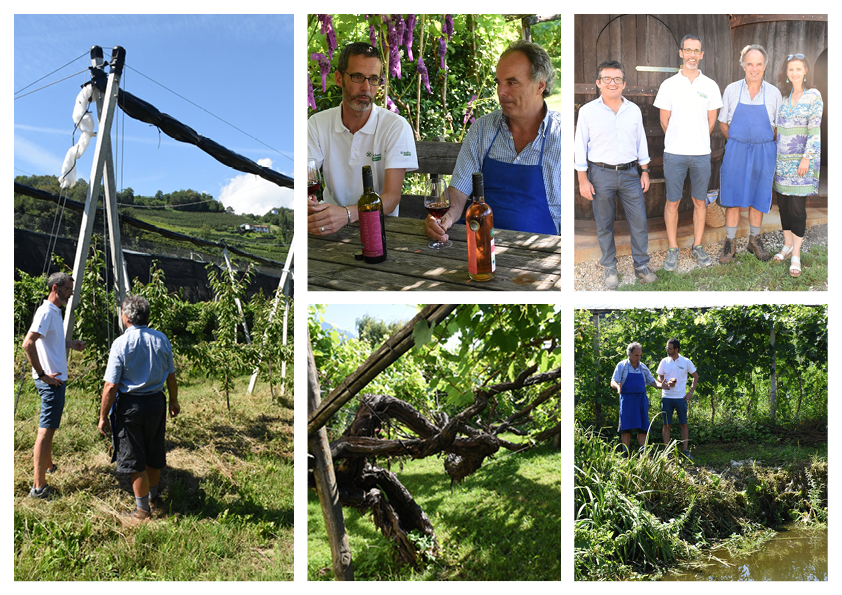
(140, 363)
(630, 379)
(517, 148)
(747, 120)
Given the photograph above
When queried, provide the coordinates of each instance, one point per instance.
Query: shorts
(676, 168)
(140, 422)
(52, 403)
(634, 412)
(679, 405)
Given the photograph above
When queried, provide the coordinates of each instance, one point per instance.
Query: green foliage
(267, 332)
(374, 331)
(730, 347)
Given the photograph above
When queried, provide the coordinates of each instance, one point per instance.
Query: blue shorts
(52, 403)
(679, 405)
(676, 168)
(634, 413)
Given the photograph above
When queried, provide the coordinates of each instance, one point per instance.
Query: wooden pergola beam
(394, 347)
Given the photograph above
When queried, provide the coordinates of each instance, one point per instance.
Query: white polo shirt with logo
(679, 369)
(688, 132)
(51, 349)
(385, 142)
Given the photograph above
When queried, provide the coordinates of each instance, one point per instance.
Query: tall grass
(228, 492)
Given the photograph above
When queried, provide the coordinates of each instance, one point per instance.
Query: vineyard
(228, 483)
(757, 431)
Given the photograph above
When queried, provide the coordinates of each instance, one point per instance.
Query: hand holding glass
(314, 181)
(437, 203)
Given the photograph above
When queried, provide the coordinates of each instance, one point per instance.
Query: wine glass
(437, 203)
(314, 181)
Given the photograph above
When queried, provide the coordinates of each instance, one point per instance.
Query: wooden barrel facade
(781, 35)
(641, 42)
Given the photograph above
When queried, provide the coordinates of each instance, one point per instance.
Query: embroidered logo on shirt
(406, 153)
(374, 156)
(703, 96)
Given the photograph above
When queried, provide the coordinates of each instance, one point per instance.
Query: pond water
(792, 555)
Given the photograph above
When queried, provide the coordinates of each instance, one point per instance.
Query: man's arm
(689, 394)
(615, 385)
(665, 119)
(711, 120)
(333, 217)
(724, 128)
(32, 355)
(109, 393)
(172, 389)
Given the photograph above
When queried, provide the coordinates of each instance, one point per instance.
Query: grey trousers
(608, 185)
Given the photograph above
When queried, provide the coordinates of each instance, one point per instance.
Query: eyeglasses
(795, 56)
(374, 81)
(607, 79)
(691, 51)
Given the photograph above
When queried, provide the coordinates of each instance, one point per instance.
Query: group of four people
(772, 142)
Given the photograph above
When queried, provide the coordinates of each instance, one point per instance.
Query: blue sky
(237, 67)
(344, 316)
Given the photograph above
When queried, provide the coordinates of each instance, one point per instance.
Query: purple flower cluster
(469, 109)
(324, 67)
(394, 49)
(442, 52)
(330, 35)
(390, 105)
(448, 26)
(311, 101)
(425, 77)
(407, 35)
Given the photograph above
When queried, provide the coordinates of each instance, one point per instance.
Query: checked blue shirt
(479, 138)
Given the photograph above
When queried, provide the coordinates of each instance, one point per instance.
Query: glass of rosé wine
(437, 203)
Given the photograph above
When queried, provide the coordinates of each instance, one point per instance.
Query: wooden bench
(434, 157)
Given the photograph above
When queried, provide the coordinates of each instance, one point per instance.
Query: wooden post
(319, 447)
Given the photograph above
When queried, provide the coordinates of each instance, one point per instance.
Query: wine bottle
(480, 230)
(372, 221)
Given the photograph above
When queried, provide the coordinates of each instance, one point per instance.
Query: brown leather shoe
(756, 247)
(137, 515)
(728, 251)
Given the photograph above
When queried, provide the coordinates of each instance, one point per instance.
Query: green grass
(502, 523)
(745, 273)
(228, 487)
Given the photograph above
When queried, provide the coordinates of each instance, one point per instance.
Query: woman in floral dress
(799, 155)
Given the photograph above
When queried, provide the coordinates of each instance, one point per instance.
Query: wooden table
(525, 261)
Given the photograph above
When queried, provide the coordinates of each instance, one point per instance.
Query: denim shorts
(676, 168)
(52, 403)
(667, 407)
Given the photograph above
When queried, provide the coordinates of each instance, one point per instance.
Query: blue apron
(517, 195)
(634, 405)
(748, 166)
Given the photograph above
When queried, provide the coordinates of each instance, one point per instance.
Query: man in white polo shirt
(356, 133)
(678, 397)
(46, 350)
(688, 102)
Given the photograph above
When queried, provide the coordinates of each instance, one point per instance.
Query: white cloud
(30, 155)
(247, 193)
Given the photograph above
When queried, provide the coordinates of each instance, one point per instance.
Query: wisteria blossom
(311, 101)
(425, 77)
(394, 51)
(324, 67)
(448, 26)
(407, 35)
(442, 52)
(329, 33)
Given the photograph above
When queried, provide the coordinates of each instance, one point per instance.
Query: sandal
(783, 254)
(795, 267)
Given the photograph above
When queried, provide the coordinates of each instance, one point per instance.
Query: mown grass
(502, 523)
(744, 273)
(228, 489)
(636, 517)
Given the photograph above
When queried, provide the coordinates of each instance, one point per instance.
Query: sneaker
(137, 514)
(728, 251)
(701, 256)
(756, 247)
(612, 280)
(671, 261)
(45, 493)
(686, 453)
(52, 469)
(645, 275)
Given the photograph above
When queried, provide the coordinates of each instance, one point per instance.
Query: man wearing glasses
(688, 102)
(610, 145)
(46, 350)
(356, 133)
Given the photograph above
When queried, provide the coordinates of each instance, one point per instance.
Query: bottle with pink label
(372, 221)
